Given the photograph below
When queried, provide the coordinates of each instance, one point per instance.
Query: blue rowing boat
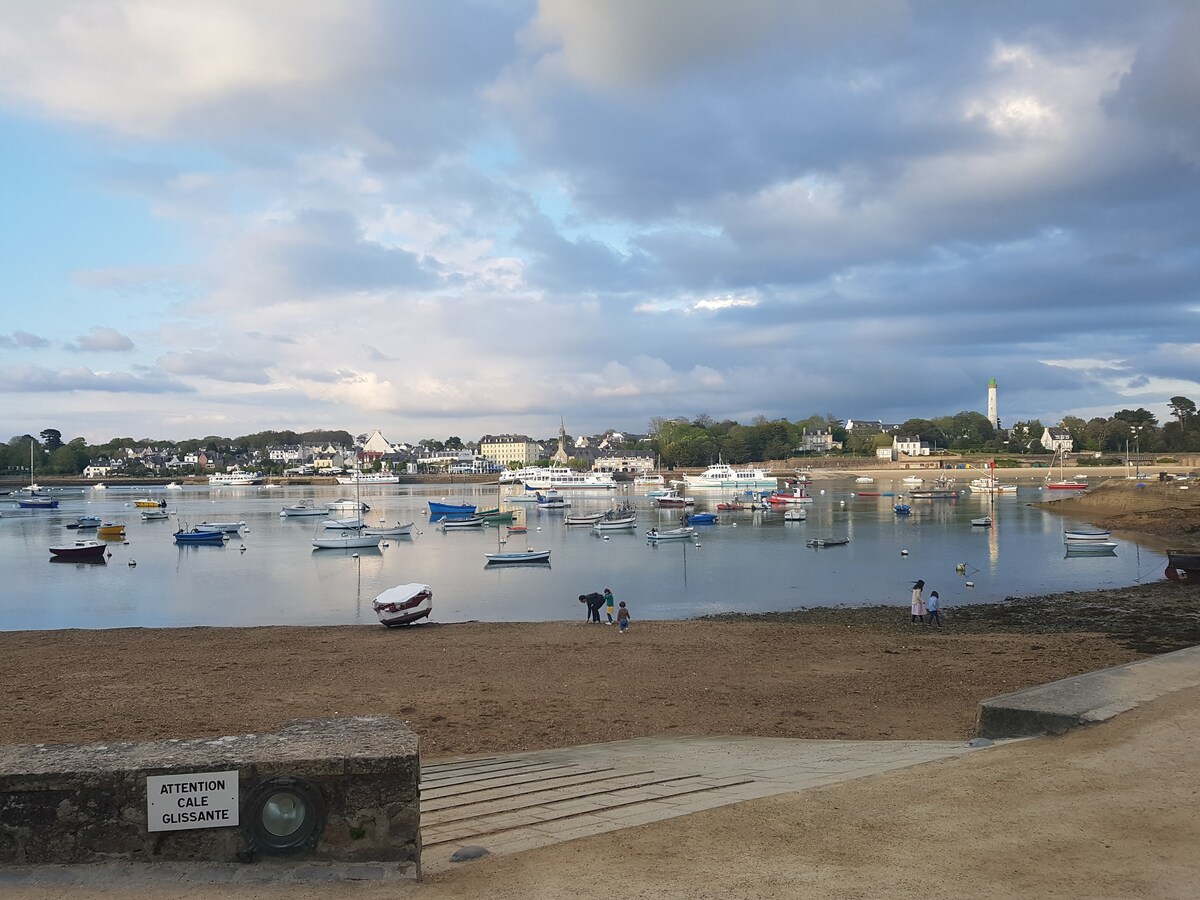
(439, 511)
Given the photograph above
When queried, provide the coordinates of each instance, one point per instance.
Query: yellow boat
(147, 503)
(111, 530)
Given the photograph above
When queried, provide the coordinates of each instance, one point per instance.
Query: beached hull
(403, 604)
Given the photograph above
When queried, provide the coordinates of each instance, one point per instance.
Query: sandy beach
(845, 673)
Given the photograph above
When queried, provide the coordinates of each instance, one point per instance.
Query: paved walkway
(512, 803)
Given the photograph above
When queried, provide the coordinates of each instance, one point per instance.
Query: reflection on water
(750, 561)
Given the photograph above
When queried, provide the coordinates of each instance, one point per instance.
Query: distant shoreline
(928, 468)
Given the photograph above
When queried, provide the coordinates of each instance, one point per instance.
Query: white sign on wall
(195, 800)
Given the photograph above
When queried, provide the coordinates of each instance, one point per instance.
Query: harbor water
(750, 561)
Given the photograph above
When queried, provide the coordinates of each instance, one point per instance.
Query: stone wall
(88, 803)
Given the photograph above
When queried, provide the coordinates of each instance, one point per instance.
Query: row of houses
(492, 454)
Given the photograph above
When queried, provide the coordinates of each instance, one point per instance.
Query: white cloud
(102, 340)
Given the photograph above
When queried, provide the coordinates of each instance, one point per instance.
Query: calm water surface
(750, 562)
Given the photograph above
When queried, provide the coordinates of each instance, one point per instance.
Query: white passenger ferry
(724, 477)
(368, 478)
(234, 479)
(559, 478)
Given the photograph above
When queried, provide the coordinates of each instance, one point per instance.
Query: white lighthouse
(993, 412)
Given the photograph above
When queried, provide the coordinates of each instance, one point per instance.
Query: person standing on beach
(623, 617)
(933, 606)
(918, 602)
(608, 605)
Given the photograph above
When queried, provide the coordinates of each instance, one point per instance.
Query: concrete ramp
(1085, 699)
(507, 804)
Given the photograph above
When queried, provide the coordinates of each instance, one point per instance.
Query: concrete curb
(1085, 699)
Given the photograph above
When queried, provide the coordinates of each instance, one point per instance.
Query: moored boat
(210, 538)
(827, 542)
(795, 515)
(403, 604)
(550, 500)
(441, 510)
(304, 508)
(558, 478)
(450, 522)
(37, 501)
(111, 530)
(518, 556)
(234, 479)
(226, 527)
(982, 521)
(400, 529)
(583, 519)
(345, 540)
(616, 523)
(724, 477)
(671, 534)
(496, 516)
(86, 522)
(672, 498)
(149, 503)
(368, 478)
(1091, 548)
(1077, 535)
(80, 550)
(152, 515)
(704, 518)
(347, 505)
(344, 524)
(989, 485)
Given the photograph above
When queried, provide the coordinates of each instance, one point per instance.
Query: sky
(484, 216)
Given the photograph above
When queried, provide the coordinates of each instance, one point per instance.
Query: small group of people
(595, 600)
(922, 607)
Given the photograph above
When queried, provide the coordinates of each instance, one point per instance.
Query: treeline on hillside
(702, 440)
(54, 457)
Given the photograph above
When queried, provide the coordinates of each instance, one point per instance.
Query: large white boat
(368, 478)
(724, 477)
(558, 478)
(235, 479)
(989, 485)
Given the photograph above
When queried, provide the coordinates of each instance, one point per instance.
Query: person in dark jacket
(594, 601)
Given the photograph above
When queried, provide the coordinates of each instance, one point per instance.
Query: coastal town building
(512, 450)
(1057, 440)
(818, 441)
(910, 446)
(635, 465)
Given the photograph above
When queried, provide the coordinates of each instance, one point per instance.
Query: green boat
(495, 516)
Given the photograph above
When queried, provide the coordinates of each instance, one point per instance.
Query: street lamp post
(1136, 430)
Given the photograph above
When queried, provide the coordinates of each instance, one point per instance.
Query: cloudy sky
(466, 217)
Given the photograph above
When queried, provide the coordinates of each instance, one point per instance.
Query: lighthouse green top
(992, 382)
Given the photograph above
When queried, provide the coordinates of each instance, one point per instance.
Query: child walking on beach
(933, 606)
(918, 602)
(623, 617)
(608, 605)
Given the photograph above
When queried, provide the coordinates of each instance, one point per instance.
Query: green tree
(52, 439)
(1184, 410)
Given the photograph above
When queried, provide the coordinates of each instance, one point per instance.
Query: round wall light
(285, 815)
